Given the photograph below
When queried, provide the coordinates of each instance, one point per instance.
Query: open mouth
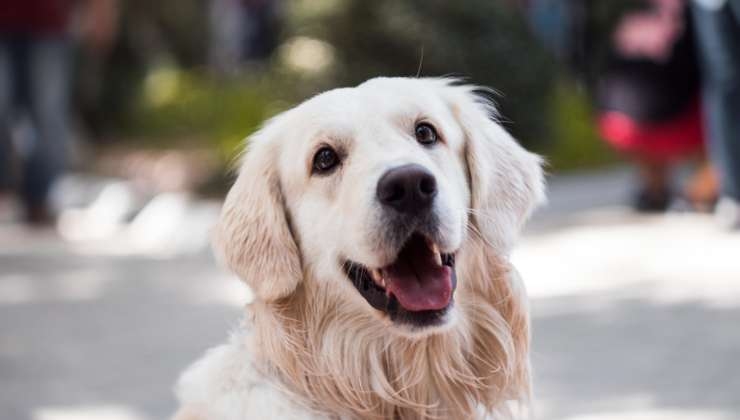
(415, 289)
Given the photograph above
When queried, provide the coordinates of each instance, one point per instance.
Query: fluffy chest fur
(296, 359)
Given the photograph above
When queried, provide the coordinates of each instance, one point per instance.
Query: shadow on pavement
(120, 341)
(635, 354)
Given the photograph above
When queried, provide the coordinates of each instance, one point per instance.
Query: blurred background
(119, 121)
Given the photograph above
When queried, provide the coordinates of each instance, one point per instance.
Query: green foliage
(177, 28)
(486, 42)
(574, 141)
(181, 108)
(483, 41)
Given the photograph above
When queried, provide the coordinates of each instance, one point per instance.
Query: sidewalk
(634, 317)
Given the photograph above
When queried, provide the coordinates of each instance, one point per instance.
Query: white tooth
(377, 278)
(438, 258)
(435, 250)
(432, 245)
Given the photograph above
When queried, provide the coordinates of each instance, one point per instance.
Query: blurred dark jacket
(652, 89)
(35, 17)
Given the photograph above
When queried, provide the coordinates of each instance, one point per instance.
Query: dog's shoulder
(225, 384)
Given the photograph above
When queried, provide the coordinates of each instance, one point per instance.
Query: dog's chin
(415, 292)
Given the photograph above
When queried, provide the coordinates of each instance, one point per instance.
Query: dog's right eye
(325, 160)
(425, 134)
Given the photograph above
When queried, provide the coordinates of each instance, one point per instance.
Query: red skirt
(665, 141)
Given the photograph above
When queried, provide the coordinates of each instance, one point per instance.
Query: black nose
(407, 189)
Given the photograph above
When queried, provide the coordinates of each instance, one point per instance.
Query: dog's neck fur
(344, 362)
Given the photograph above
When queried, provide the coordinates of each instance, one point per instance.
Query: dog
(374, 225)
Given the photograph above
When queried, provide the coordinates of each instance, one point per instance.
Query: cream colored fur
(310, 346)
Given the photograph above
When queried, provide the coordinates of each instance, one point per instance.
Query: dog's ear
(506, 181)
(253, 236)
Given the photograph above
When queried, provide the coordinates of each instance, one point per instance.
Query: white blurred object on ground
(115, 216)
(727, 213)
(672, 257)
(87, 413)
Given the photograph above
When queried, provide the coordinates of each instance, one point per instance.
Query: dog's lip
(394, 290)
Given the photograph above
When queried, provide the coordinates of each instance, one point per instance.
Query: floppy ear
(253, 236)
(506, 181)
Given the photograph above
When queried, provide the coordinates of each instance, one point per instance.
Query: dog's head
(374, 190)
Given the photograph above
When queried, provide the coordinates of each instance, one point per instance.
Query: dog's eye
(425, 134)
(325, 160)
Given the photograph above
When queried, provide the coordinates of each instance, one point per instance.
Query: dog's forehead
(367, 117)
(375, 101)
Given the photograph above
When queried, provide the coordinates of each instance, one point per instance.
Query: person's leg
(654, 194)
(735, 5)
(49, 75)
(702, 187)
(6, 109)
(718, 37)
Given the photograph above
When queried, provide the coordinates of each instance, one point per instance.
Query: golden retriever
(374, 226)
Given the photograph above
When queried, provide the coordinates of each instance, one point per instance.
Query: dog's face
(376, 187)
(373, 191)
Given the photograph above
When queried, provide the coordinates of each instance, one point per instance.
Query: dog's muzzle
(417, 287)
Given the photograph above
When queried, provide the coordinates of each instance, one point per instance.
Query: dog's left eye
(425, 134)
(325, 160)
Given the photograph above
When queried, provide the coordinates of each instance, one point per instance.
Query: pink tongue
(417, 281)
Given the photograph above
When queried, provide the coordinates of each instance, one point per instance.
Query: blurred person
(552, 22)
(717, 25)
(227, 32)
(36, 54)
(647, 94)
(242, 30)
(648, 103)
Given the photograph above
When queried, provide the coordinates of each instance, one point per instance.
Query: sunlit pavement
(635, 318)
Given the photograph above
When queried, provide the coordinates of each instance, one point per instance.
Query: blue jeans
(34, 79)
(718, 37)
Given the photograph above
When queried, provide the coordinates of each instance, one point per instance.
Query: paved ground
(635, 318)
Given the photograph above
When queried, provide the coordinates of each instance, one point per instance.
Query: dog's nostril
(428, 185)
(407, 189)
(394, 193)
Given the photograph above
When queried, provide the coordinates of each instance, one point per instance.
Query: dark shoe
(651, 202)
(39, 215)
